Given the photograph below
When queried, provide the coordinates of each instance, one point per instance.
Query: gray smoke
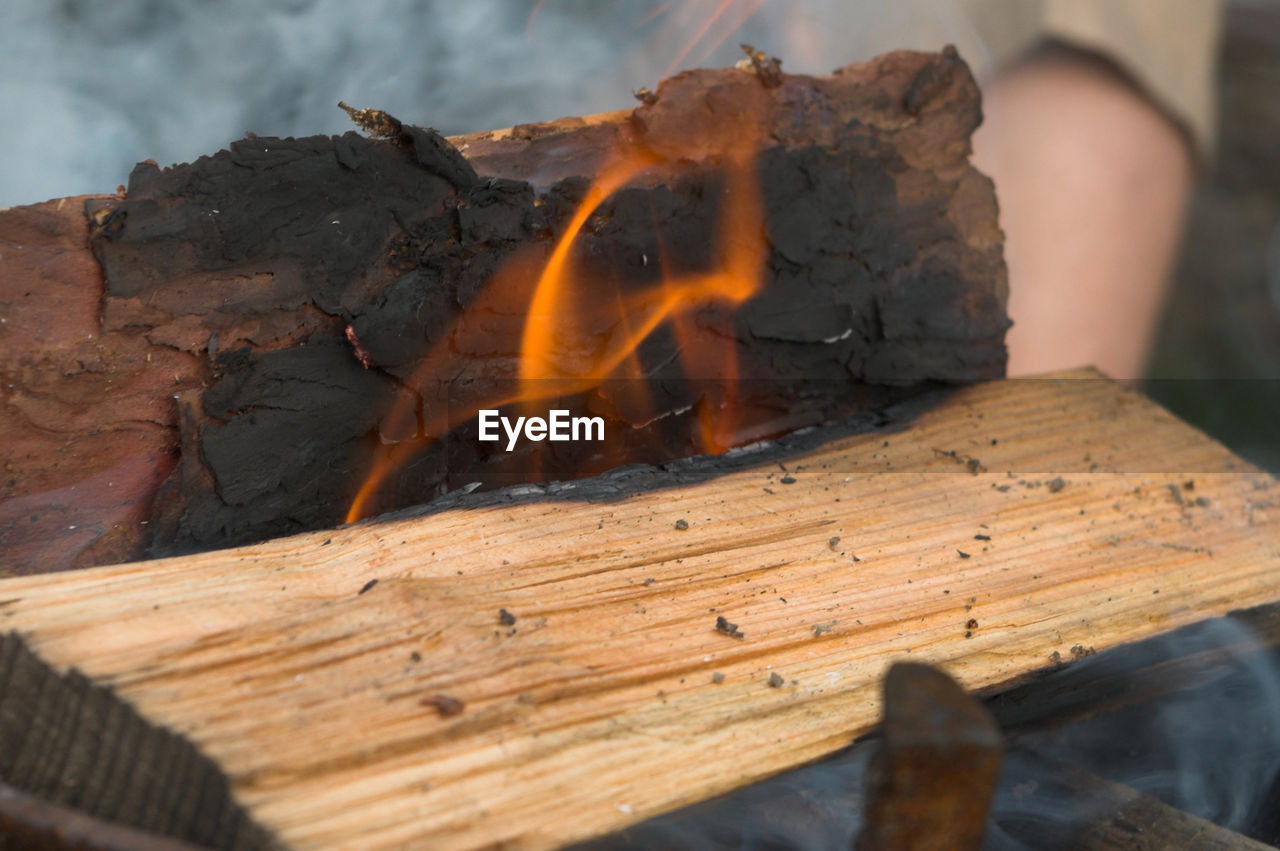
(90, 87)
(1209, 746)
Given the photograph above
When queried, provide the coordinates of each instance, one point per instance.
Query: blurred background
(89, 88)
(1217, 354)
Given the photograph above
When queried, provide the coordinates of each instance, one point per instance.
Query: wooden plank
(598, 707)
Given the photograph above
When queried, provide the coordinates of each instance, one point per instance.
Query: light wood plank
(600, 708)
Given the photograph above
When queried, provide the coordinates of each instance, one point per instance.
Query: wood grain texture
(1108, 521)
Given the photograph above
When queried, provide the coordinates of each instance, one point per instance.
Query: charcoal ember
(330, 296)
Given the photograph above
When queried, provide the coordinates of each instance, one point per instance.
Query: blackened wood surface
(277, 270)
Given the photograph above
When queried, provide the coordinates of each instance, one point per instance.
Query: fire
(560, 354)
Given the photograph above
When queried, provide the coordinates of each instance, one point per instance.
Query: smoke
(1196, 725)
(1209, 747)
(90, 88)
(815, 808)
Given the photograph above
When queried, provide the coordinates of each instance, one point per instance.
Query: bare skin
(1093, 182)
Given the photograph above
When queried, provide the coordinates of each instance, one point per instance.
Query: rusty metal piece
(934, 775)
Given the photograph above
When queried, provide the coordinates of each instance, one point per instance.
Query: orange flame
(559, 355)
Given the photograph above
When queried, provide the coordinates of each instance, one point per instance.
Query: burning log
(533, 671)
(283, 321)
